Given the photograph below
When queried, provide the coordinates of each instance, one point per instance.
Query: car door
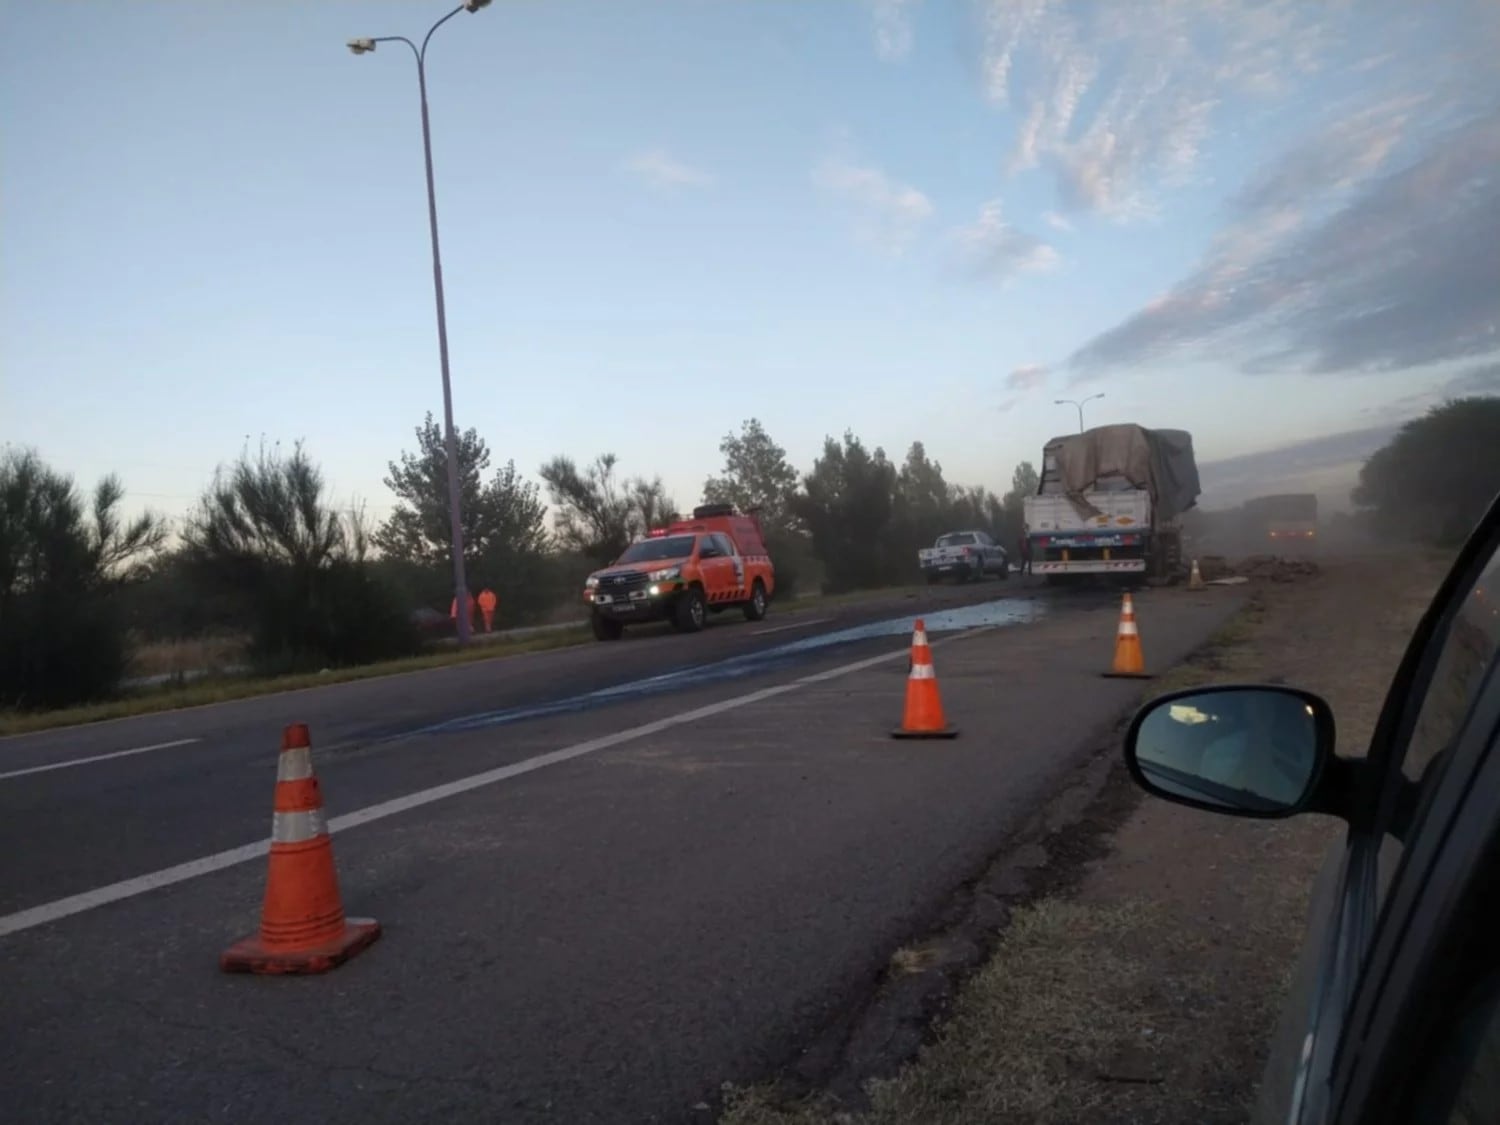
(735, 570)
(1431, 741)
(717, 570)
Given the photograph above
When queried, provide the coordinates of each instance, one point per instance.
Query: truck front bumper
(653, 602)
(1091, 566)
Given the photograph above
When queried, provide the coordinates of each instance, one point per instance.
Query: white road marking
(793, 625)
(98, 758)
(142, 884)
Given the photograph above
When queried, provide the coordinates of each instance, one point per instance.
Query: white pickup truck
(965, 556)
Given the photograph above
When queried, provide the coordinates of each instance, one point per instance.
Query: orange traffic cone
(302, 923)
(1195, 579)
(1130, 662)
(923, 717)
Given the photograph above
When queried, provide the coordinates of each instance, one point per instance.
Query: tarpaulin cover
(1111, 458)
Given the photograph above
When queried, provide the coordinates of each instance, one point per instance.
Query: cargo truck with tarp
(1110, 502)
(1286, 520)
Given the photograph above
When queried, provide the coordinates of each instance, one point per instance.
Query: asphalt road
(616, 905)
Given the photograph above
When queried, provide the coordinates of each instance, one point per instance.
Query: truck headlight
(664, 574)
(590, 582)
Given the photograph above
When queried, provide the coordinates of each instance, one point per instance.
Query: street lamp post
(1079, 404)
(455, 507)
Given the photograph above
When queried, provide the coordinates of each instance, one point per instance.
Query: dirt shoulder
(1126, 960)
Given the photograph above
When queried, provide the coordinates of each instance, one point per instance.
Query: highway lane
(369, 709)
(604, 939)
(140, 811)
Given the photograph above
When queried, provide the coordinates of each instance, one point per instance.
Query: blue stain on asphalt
(1007, 611)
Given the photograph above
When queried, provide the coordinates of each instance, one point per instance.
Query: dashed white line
(98, 758)
(793, 625)
(142, 884)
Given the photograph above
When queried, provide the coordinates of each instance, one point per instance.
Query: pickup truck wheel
(755, 608)
(690, 612)
(605, 629)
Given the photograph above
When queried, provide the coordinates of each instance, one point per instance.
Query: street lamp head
(361, 46)
(475, 5)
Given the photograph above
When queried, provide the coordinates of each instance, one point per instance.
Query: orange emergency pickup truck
(683, 572)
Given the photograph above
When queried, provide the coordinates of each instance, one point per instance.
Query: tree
(1024, 482)
(597, 515)
(264, 532)
(847, 503)
(62, 561)
(1436, 477)
(756, 475)
(504, 520)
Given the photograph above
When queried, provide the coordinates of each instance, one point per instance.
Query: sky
(1270, 223)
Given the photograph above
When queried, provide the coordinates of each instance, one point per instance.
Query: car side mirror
(1242, 750)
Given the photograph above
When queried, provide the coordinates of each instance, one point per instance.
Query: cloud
(893, 31)
(1027, 377)
(1369, 248)
(1116, 101)
(1365, 244)
(886, 214)
(1479, 381)
(1020, 383)
(993, 248)
(1057, 222)
(660, 169)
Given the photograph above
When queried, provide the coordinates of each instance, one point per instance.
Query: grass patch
(1220, 656)
(185, 656)
(224, 690)
(1066, 1018)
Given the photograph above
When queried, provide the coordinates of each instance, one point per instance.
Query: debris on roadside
(1217, 570)
(1276, 568)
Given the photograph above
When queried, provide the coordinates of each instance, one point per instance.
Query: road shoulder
(1124, 959)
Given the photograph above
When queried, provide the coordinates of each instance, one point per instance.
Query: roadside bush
(264, 536)
(62, 632)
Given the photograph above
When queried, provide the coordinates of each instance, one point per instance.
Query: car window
(960, 540)
(658, 550)
(724, 543)
(1468, 650)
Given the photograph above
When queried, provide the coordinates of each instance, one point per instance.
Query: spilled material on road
(1003, 612)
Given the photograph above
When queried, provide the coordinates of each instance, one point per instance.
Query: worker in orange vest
(453, 611)
(487, 603)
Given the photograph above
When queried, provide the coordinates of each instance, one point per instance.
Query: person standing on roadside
(1025, 553)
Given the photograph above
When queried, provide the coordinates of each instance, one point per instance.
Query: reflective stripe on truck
(1091, 566)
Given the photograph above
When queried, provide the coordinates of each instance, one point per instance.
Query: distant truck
(964, 556)
(683, 572)
(1110, 502)
(1287, 520)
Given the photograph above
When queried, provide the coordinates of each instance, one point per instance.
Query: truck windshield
(960, 540)
(659, 550)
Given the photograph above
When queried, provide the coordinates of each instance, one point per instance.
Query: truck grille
(621, 586)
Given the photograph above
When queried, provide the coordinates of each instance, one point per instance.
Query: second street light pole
(1079, 404)
(450, 438)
